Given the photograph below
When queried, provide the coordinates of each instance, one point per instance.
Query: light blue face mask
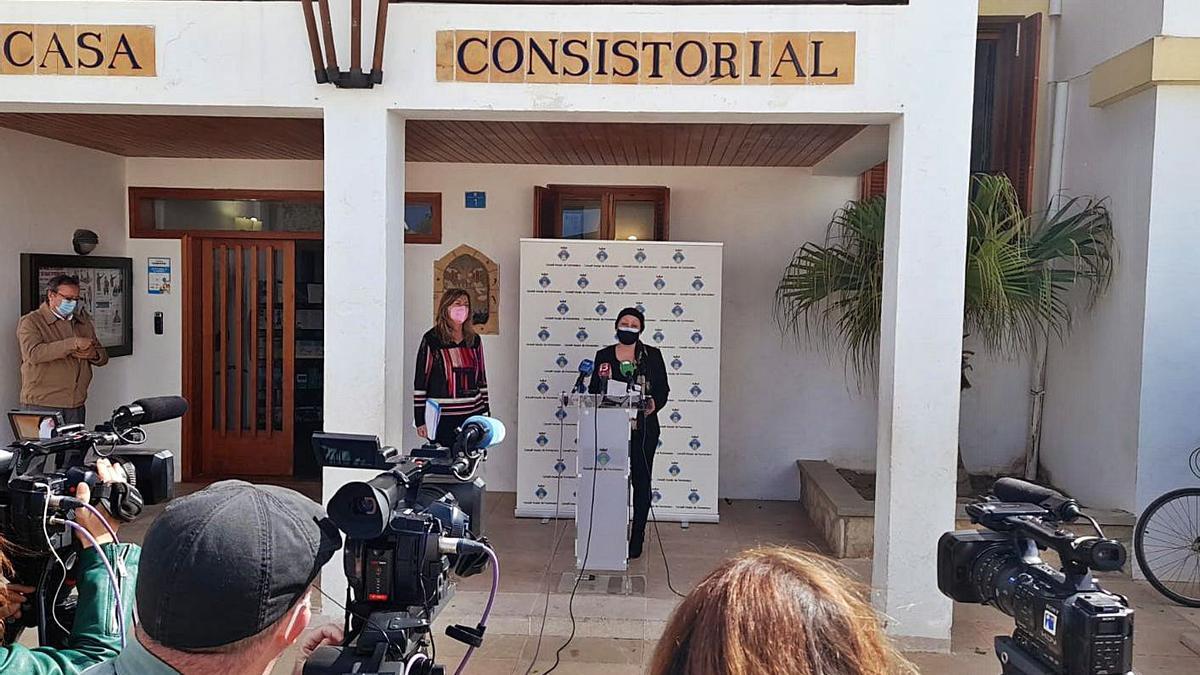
(67, 307)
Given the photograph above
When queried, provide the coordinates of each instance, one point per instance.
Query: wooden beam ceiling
(623, 144)
(483, 142)
(177, 135)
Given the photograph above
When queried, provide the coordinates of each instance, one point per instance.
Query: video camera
(39, 472)
(406, 529)
(1065, 622)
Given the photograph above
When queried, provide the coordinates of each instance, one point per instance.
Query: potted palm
(1021, 276)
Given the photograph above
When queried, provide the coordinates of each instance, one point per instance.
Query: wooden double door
(245, 306)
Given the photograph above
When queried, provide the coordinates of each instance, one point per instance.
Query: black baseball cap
(226, 562)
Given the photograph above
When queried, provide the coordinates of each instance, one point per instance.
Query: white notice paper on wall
(158, 272)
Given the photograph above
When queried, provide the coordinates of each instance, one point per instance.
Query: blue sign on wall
(476, 200)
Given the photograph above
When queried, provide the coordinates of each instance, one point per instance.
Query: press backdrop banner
(571, 292)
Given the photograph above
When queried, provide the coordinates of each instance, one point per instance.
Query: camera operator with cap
(646, 365)
(95, 635)
(226, 580)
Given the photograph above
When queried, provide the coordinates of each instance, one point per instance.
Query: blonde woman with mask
(450, 369)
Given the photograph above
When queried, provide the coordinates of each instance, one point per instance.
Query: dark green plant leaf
(1021, 273)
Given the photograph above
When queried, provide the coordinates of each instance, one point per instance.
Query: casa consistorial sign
(645, 58)
(64, 49)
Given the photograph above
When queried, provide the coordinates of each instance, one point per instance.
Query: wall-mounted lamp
(328, 71)
(84, 241)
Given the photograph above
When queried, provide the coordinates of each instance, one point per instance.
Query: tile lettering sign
(645, 58)
(64, 49)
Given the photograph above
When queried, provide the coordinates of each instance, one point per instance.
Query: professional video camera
(405, 530)
(38, 473)
(1065, 622)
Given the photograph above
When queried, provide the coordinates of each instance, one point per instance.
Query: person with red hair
(776, 611)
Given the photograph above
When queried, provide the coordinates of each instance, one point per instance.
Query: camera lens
(996, 575)
(365, 506)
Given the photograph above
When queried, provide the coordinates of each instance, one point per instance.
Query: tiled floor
(615, 635)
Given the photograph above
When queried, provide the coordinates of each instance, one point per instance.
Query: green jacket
(94, 635)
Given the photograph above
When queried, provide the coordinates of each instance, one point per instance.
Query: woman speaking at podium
(450, 369)
(632, 361)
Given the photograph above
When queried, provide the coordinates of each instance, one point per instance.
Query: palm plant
(1020, 279)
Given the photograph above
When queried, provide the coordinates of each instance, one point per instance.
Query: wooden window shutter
(873, 181)
(545, 212)
(1017, 147)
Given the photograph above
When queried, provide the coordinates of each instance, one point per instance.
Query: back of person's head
(776, 611)
(226, 574)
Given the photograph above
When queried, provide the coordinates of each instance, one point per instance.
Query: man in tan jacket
(58, 349)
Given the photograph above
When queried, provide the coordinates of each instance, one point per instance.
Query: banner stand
(571, 292)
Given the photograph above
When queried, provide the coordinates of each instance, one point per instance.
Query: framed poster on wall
(105, 290)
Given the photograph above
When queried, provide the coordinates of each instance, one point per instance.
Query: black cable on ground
(558, 535)
(587, 547)
(654, 516)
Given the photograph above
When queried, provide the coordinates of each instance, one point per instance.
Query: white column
(364, 287)
(920, 352)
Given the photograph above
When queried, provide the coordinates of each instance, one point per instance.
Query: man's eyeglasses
(66, 297)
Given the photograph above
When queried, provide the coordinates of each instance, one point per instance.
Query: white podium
(602, 498)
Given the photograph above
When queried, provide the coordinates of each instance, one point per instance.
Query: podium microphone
(585, 369)
(627, 371)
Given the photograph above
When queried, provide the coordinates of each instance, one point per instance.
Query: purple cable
(103, 521)
(487, 609)
(112, 576)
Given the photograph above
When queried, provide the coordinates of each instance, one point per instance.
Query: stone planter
(847, 521)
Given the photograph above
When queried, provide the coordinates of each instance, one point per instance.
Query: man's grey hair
(61, 280)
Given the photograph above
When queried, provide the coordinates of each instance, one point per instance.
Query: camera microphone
(150, 410)
(480, 432)
(1014, 490)
(585, 368)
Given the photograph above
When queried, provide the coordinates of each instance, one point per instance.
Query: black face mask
(627, 336)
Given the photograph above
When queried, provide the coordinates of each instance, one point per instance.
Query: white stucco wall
(1120, 395)
(255, 58)
(1181, 17)
(1089, 442)
(1170, 383)
(1122, 23)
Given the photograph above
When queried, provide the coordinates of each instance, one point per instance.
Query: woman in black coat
(642, 363)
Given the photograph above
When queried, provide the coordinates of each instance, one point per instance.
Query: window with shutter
(1005, 105)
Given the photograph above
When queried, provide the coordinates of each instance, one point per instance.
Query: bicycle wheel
(1167, 544)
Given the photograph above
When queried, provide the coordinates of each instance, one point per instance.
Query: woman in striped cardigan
(450, 369)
